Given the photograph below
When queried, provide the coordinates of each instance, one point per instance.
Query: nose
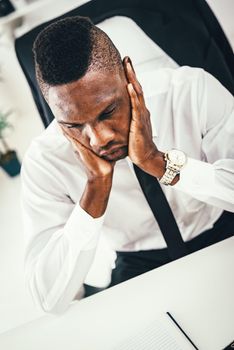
(99, 137)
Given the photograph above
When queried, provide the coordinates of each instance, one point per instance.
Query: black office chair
(186, 30)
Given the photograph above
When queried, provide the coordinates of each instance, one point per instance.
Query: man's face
(96, 111)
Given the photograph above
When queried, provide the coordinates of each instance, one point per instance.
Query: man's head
(82, 77)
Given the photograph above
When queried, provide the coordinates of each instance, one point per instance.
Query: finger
(132, 78)
(63, 130)
(85, 154)
(136, 108)
(75, 144)
(80, 150)
(73, 141)
(65, 133)
(78, 147)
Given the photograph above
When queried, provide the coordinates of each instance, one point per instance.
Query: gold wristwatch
(175, 161)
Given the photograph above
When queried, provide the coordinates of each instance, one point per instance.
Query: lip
(115, 154)
(111, 151)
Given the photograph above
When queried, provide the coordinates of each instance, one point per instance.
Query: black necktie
(162, 213)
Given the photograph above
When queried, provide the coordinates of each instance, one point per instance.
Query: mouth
(115, 154)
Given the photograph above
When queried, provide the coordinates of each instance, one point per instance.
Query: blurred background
(19, 124)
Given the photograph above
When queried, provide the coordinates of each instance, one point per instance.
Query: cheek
(76, 134)
(125, 119)
(73, 132)
(121, 124)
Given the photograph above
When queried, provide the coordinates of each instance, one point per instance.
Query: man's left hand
(141, 149)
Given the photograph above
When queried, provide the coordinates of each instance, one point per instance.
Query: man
(79, 184)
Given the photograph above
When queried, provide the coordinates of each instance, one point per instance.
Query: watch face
(177, 157)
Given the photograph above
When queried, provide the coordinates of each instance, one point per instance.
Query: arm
(212, 180)
(61, 237)
(99, 179)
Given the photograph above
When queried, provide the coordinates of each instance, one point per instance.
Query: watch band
(172, 170)
(168, 176)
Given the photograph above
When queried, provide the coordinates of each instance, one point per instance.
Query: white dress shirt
(190, 111)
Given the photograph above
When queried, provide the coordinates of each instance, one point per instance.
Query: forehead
(87, 95)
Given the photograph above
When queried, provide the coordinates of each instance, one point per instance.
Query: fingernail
(131, 89)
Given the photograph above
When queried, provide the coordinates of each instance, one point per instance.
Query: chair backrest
(186, 30)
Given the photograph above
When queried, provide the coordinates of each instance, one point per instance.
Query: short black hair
(66, 49)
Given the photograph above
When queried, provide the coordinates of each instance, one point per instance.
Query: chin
(122, 157)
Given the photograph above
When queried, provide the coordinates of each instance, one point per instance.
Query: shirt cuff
(82, 229)
(196, 176)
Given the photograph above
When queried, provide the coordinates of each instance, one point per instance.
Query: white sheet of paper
(161, 334)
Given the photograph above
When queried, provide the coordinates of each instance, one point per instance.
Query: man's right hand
(96, 168)
(99, 179)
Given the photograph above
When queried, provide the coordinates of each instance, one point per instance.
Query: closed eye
(106, 115)
(103, 116)
(77, 126)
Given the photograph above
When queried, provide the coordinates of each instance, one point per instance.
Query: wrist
(96, 195)
(155, 164)
(175, 161)
(102, 183)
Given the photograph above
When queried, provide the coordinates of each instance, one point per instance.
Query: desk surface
(198, 290)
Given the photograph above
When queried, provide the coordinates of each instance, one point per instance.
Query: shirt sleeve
(211, 179)
(60, 238)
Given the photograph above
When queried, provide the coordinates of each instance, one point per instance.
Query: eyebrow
(99, 115)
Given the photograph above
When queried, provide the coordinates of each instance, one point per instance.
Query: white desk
(198, 290)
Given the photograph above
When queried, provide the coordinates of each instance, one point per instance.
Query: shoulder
(165, 80)
(48, 153)
(50, 141)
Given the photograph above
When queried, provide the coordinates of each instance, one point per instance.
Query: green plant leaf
(4, 124)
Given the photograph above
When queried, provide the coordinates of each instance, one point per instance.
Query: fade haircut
(67, 49)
